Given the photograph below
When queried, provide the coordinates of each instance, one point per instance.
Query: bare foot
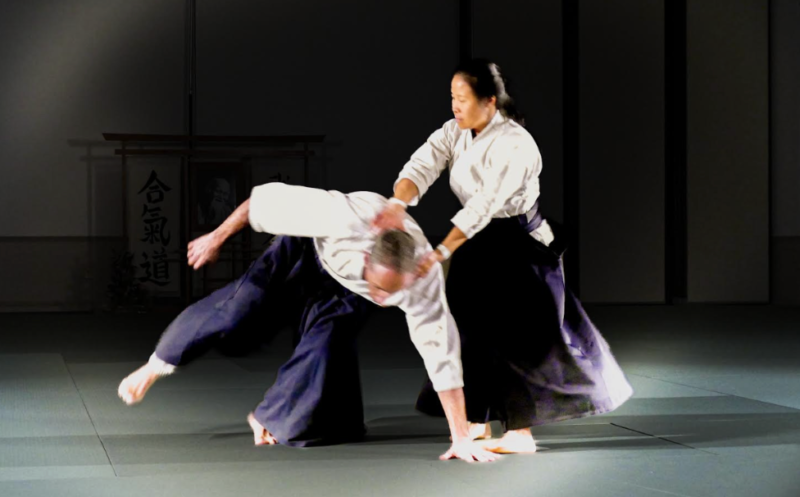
(479, 431)
(513, 442)
(261, 436)
(133, 388)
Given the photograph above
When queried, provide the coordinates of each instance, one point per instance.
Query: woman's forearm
(454, 239)
(406, 190)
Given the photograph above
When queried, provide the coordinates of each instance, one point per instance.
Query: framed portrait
(217, 188)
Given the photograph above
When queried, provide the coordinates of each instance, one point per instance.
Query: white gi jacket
(340, 226)
(494, 175)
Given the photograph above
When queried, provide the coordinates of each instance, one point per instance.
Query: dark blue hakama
(530, 353)
(316, 398)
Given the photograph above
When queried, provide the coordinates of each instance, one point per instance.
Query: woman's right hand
(391, 217)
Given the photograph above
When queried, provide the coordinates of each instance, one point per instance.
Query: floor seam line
(89, 415)
(721, 393)
(661, 438)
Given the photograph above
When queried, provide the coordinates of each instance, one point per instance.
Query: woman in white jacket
(529, 351)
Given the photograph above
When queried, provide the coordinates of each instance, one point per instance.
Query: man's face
(383, 281)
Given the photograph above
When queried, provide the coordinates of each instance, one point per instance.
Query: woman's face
(470, 113)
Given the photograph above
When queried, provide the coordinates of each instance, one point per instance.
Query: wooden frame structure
(196, 151)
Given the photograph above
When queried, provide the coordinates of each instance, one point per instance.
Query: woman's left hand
(426, 263)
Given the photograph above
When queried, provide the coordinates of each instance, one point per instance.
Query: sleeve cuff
(257, 209)
(418, 181)
(448, 379)
(469, 222)
(160, 367)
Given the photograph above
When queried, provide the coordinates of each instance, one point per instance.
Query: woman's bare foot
(133, 388)
(261, 436)
(513, 442)
(479, 431)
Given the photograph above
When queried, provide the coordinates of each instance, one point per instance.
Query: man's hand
(469, 451)
(463, 447)
(427, 261)
(391, 217)
(204, 249)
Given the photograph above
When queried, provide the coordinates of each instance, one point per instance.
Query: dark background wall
(70, 71)
(728, 150)
(621, 174)
(374, 78)
(525, 40)
(785, 150)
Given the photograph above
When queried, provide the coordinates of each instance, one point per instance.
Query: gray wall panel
(622, 151)
(72, 70)
(728, 151)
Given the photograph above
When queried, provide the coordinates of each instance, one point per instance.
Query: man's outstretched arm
(435, 335)
(280, 209)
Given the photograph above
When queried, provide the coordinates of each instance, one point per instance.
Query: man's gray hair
(395, 249)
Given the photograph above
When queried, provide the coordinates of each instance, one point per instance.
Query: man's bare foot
(133, 388)
(261, 436)
(513, 442)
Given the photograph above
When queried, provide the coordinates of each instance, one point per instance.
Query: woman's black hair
(486, 81)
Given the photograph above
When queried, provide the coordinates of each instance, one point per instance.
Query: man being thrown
(320, 273)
